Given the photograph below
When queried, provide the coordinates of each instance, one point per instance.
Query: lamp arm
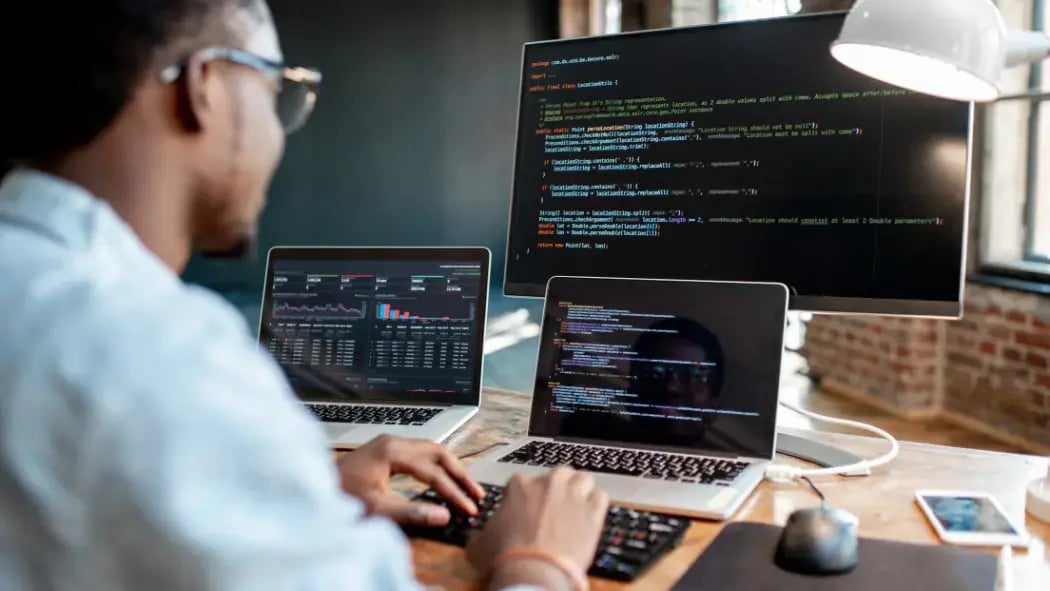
(1024, 47)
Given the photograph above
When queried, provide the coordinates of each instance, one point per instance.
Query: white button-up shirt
(146, 441)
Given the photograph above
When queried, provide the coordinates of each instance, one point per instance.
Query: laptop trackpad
(619, 488)
(678, 494)
(336, 431)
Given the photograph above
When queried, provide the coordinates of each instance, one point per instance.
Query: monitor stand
(820, 454)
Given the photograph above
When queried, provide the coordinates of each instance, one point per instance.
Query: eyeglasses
(684, 373)
(297, 87)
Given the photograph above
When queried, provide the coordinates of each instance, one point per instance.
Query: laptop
(665, 390)
(379, 340)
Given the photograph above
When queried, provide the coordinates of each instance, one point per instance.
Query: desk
(884, 502)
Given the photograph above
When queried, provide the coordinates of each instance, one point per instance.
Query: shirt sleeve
(210, 475)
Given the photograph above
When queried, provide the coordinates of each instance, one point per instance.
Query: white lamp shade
(954, 49)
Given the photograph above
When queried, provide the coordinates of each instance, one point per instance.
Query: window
(1038, 200)
(737, 10)
(1013, 164)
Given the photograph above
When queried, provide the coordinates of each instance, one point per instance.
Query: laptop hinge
(383, 403)
(648, 447)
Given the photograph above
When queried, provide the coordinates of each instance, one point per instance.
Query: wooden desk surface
(883, 502)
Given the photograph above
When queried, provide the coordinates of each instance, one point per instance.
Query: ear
(196, 98)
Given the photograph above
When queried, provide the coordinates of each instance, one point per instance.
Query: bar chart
(388, 311)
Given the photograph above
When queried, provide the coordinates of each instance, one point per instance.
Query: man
(679, 363)
(145, 441)
(679, 368)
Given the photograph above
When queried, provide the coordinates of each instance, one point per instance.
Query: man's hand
(367, 470)
(561, 512)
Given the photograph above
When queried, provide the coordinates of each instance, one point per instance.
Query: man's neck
(136, 184)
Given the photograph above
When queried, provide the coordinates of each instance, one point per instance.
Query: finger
(515, 485)
(382, 445)
(599, 500)
(457, 470)
(435, 476)
(581, 483)
(420, 460)
(560, 474)
(408, 512)
(451, 490)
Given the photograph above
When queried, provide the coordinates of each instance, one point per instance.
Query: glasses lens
(295, 102)
(683, 373)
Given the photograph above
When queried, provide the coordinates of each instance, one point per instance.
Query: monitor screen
(404, 325)
(679, 365)
(740, 152)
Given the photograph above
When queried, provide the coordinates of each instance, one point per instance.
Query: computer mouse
(818, 541)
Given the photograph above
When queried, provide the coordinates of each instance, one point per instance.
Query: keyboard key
(373, 415)
(652, 465)
(630, 542)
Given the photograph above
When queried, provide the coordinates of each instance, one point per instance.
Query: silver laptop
(665, 390)
(381, 339)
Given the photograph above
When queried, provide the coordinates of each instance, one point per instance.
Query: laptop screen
(681, 365)
(377, 324)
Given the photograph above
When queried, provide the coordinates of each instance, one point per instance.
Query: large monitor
(741, 152)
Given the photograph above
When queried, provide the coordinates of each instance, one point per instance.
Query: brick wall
(998, 362)
(892, 362)
(990, 370)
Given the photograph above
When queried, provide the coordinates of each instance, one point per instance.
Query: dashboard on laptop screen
(352, 329)
(687, 365)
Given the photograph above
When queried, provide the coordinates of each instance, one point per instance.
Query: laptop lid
(685, 366)
(378, 324)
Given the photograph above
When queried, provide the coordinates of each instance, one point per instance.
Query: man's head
(184, 89)
(680, 362)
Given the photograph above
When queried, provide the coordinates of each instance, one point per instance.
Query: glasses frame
(309, 77)
(704, 373)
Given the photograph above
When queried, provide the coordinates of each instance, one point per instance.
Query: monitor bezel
(468, 254)
(832, 305)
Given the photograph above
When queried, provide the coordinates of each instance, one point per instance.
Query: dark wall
(412, 139)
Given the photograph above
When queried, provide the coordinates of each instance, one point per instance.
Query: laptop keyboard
(645, 464)
(374, 415)
(631, 541)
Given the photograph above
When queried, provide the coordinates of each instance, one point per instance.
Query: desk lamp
(954, 49)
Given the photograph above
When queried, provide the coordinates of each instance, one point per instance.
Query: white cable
(775, 472)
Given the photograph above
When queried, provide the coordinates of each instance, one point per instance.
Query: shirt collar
(63, 212)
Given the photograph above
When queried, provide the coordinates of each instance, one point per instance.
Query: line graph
(286, 309)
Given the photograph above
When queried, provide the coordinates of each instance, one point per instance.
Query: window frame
(1038, 109)
(1031, 272)
(722, 10)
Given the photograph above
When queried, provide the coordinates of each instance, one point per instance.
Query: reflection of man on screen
(679, 370)
(675, 374)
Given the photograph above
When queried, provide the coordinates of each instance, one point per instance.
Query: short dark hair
(694, 332)
(72, 65)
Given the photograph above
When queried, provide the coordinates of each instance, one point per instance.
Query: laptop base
(698, 501)
(437, 429)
